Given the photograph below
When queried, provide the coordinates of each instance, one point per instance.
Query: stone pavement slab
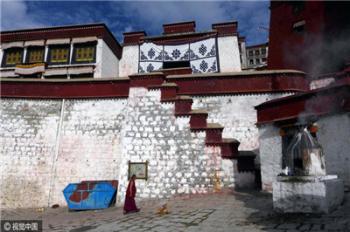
(221, 212)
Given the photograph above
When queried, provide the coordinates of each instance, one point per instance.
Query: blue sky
(126, 16)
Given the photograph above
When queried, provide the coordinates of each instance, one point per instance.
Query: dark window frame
(5, 53)
(299, 27)
(48, 58)
(80, 45)
(176, 64)
(251, 53)
(34, 48)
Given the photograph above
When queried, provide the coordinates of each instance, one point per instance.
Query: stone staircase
(183, 108)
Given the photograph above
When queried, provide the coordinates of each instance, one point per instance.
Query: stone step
(183, 105)
(198, 118)
(168, 91)
(213, 132)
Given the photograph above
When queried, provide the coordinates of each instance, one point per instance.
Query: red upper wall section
(182, 27)
(286, 47)
(203, 84)
(311, 104)
(180, 33)
(98, 30)
(321, 46)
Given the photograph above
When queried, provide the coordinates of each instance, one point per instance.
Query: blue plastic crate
(91, 194)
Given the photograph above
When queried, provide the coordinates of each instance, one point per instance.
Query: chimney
(225, 29)
(182, 27)
(132, 38)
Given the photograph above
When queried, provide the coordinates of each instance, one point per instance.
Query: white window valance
(55, 71)
(34, 43)
(57, 41)
(8, 74)
(80, 70)
(30, 69)
(84, 39)
(12, 45)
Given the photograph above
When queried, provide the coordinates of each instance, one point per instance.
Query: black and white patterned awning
(201, 54)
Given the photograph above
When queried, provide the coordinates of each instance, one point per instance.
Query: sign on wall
(140, 169)
(202, 55)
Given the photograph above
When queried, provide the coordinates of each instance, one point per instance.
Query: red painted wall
(322, 47)
(289, 49)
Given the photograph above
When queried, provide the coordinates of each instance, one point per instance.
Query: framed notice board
(140, 169)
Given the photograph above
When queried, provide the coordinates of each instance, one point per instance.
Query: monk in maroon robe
(129, 204)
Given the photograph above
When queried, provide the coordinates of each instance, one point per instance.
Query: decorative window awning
(57, 41)
(8, 73)
(80, 70)
(201, 54)
(84, 39)
(19, 44)
(28, 69)
(56, 72)
(34, 43)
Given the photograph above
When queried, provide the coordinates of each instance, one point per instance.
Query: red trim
(258, 83)
(187, 84)
(313, 103)
(146, 80)
(225, 29)
(179, 27)
(168, 92)
(132, 38)
(67, 89)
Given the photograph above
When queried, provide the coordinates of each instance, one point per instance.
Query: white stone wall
(48, 144)
(270, 155)
(237, 114)
(107, 64)
(89, 145)
(179, 161)
(334, 136)
(229, 57)
(28, 131)
(130, 61)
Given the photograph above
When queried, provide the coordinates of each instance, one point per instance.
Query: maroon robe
(129, 204)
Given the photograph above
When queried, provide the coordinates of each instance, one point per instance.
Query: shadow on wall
(266, 219)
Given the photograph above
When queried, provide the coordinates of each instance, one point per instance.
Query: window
(263, 51)
(251, 61)
(176, 64)
(257, 61)
(257, 52)
(12, 56)
(299, 26)
(250, 53)
(84, 53)
(35, 55)
(264, 60)
(59, 54)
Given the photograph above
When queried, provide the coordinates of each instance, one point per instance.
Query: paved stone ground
(237, 211)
